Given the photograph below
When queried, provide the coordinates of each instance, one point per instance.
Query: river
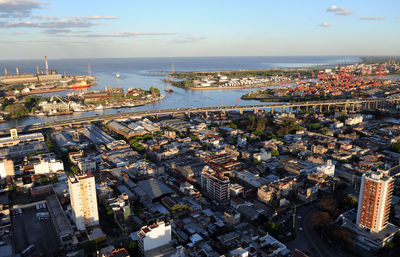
(132, 72)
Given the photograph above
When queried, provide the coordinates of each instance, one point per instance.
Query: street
(307, 239)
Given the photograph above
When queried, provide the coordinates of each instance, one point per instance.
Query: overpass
(349, 104)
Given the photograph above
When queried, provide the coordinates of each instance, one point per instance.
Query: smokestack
(5, 71)
(47, 65)
(17, 71)
(37, 70)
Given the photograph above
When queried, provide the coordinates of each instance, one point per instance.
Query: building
(236, 190)
(215, 184)
(154, 236)
(15, 139)
(262, 156)
(6, 168)
(48, 165)
(318, 149)
(51, 75)
(374, 201)
(82, 190)
(231, 217)
(353, 120)
(328, 168)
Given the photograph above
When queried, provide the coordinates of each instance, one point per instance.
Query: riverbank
(243, 87)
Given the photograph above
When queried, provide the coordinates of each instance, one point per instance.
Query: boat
(79, 85)
(118, 76)
(99, 107)
(169, 90)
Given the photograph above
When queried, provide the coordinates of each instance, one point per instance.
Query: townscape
(224, 182)
(199, 129)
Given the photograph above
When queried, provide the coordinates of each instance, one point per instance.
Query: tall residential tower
(374, 201)
(82, 190)
(215, 184)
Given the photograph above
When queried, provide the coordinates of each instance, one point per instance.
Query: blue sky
(126, 28)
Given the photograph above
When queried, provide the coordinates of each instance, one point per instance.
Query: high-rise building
(6, 168)
(154, 236)
(374, 201)
(82, 190)
(215, 184)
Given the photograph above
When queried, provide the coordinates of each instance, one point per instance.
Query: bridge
(349, 104)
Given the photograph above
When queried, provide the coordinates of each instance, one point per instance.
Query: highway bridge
(349, 104)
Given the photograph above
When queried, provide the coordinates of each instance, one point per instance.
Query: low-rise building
(48, 165)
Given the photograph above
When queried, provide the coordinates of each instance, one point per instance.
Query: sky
(30, 29)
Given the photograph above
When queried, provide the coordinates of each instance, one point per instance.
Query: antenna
(89, 70)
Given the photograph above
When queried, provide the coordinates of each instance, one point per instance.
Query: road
(188, 111)
(307, 239)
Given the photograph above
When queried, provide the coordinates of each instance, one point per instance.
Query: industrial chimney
(47, 65)
(17, 71)
(5, 71)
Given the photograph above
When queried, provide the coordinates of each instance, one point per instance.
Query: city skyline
(33, 28)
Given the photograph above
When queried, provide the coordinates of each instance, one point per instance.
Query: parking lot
(28, 229)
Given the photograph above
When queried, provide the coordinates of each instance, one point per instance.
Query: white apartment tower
(82, 190)
(374, 201)
(215, 184)
(153, 236)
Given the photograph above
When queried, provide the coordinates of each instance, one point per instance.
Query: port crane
(60, 98)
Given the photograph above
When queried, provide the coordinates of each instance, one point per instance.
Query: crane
(60, 98)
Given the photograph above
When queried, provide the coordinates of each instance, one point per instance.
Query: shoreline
(269, 84)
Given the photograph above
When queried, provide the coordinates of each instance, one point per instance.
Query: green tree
(233, 125)
(31, 101)
(320, 219)
(324, 131)
(12, 187)
(395, 147)
(17, 110)
(351, 201)
(274, 152)
(133, 248)
(329, 204)
(342, 235)
(194, 138)
(272, 228)
(154, 91)
(75, 169)
(261, 122)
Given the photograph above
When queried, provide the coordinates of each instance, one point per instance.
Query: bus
(28, 250)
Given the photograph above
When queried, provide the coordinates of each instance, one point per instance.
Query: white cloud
(339, 10)
(188, 40)
(20, 33)
(325, 25)
(118, 34)
(96, 17)
(64, 23)
(19, 8)
(377, 18)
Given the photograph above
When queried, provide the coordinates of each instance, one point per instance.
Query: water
(132, 70)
